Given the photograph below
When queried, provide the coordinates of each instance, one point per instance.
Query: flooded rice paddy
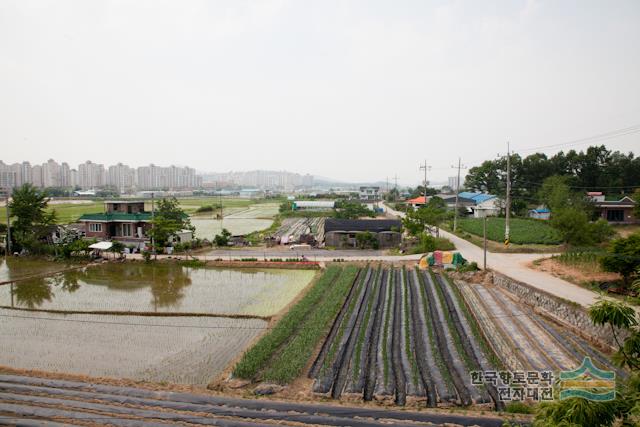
(101, 335)
(182, 350)
(238, 221)
(18, 268)
(158, 288)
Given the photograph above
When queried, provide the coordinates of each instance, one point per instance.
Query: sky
(352, 90)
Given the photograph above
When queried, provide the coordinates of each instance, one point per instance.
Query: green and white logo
(588, 382)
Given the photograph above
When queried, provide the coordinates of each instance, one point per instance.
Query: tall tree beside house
(31, 219)
(595, 169)
(169, 218)
(432, 214)
(624, 257)
(636, 198)
(570, 213)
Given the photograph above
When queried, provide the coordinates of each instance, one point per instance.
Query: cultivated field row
(404, 333)
(534, 342)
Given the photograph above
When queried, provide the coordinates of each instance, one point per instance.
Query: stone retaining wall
(568, 313)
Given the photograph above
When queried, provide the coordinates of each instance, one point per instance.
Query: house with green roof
(124, 221)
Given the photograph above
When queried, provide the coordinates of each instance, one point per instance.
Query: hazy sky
(354, 90)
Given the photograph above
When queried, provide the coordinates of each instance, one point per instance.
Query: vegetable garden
(403, 334)
(408, 335)
(523, 231)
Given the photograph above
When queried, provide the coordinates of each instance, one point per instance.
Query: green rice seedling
(336, 342)
(289, 363)
(254, 360)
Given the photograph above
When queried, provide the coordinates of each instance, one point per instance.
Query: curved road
(515, 266)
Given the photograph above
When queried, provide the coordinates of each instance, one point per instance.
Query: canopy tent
(102, 246)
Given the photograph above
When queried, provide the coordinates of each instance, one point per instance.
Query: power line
(594, 138)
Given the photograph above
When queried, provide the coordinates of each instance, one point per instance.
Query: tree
(556, 194)
(367, 240)
(636, 198)
(222, 239)
(433, 213)
(623, 257)
(169, 218)
(624, 410)
(419, 191)
(347, 209)
(31, 219)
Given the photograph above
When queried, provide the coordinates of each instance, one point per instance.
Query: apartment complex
(262, 179)
(91, 175)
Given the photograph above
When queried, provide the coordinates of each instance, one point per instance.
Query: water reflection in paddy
(161, 287)
(16, 268)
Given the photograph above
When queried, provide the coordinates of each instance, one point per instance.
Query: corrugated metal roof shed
(373, 225)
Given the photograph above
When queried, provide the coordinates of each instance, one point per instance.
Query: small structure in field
(541, 213)
(343, 233)
(314, 205)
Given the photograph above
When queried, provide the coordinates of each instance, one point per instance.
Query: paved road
(515, 266)
(30, 401)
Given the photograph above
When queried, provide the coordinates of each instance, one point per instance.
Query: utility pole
(455, 218)
(395, 196)
(508, 212)
(425, 167)
(153, 226)
(484, 240)
(7, 248)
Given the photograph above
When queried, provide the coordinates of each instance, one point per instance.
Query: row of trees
(595, 169)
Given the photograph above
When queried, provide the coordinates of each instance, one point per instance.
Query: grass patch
(523, 231)
(254, 360)
(289, 363)
(518, 408)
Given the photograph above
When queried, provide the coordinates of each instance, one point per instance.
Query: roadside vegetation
(624, 410)
(423, 223)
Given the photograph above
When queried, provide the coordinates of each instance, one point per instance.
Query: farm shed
(342, 233)
(487, 203)
(314, 205)
(540, 214)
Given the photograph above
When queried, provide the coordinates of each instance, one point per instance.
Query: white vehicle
(299, 247)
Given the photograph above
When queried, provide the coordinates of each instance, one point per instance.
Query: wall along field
(105, 337)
